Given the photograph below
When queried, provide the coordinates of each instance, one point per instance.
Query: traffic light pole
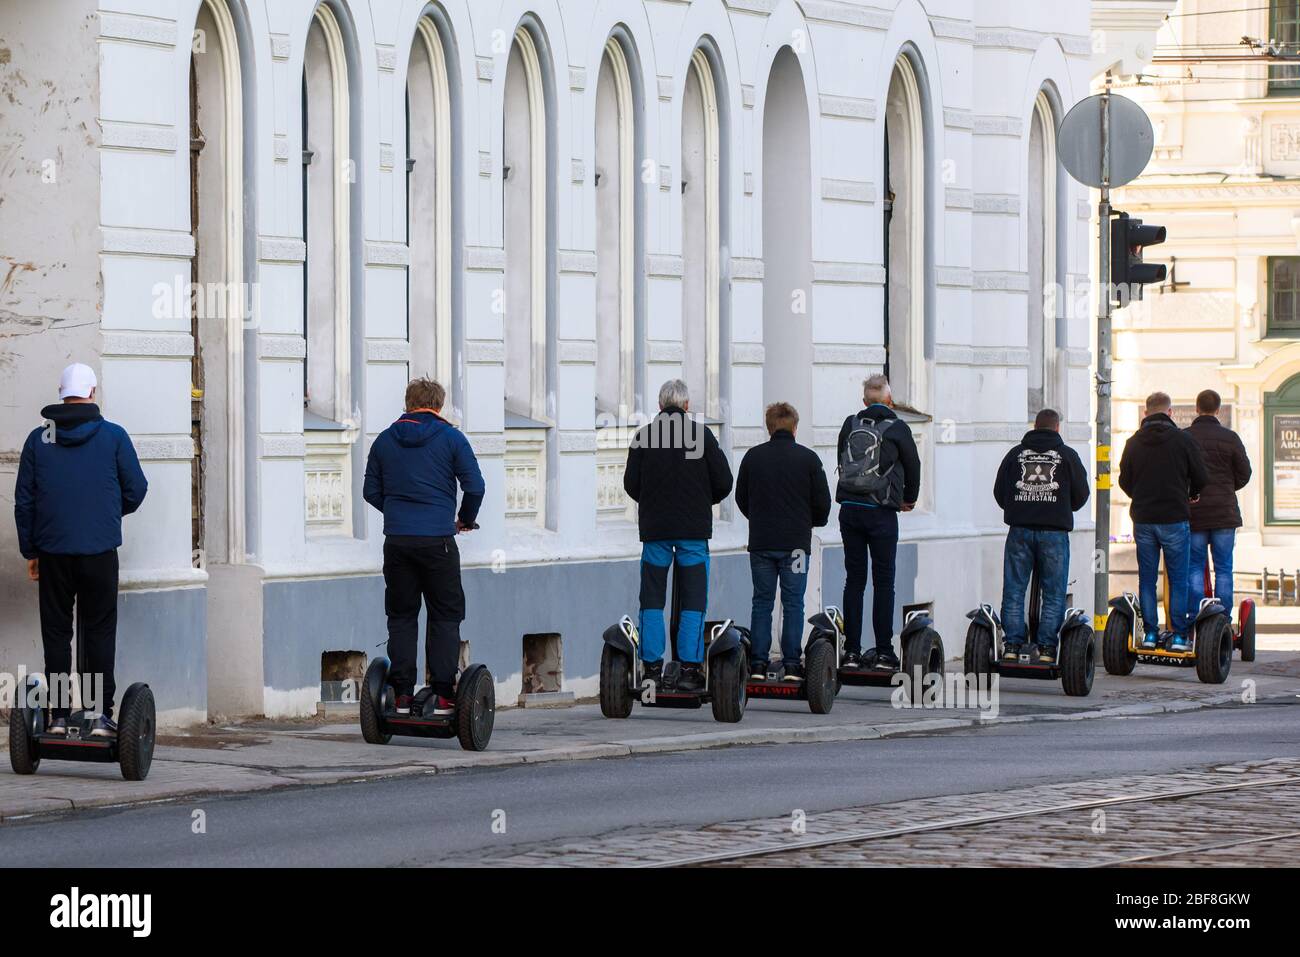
(1101, 550)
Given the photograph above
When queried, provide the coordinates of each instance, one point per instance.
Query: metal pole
(1101, 553)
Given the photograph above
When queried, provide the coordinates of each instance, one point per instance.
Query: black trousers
(418, 568)
(88, 582)
(869, 532)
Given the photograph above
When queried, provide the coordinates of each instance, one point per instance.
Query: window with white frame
(1041, 224)
(701, 238)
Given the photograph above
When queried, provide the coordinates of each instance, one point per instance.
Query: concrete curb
(279, 780)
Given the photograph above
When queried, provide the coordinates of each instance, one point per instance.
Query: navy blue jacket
(411, 476)
(78, 475)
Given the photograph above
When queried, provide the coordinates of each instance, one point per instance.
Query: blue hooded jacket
(411, 476)
(78, 475)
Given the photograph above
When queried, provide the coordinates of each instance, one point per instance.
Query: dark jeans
(418, 568)
(1174, 539)
(90, 583)
(1219, 544)
(873, 532)
(1049, 552)
(791, 570)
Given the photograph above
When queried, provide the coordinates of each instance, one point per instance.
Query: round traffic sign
(1131, 140)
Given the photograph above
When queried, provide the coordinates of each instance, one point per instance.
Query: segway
(30, 742)
(1209, 648)
(921, 646)
(821, 665)
(471, 720)
(1076, 655)
(1243, 631)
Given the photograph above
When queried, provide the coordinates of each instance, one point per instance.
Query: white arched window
(327, 177)
(615, 235)
(525, 191)
(1041, 224)
(701, 238)
(787, 238)
(905, 166)
(428, 205)
(219, 310)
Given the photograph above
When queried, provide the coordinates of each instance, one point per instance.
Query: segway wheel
(820, 677)
(615, 683)
(1248, 631)
(1214, 650)
(978, 659)
(1115, 656)
(476, 705)
(923, 650)
(371, 708)
(136, 726)
(727, 687)
(24, 725)
(1078, 661)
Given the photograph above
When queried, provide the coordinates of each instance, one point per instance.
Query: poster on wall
(1286, 468)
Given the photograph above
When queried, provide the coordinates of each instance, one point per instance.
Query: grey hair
(674, 394)
(875, 388)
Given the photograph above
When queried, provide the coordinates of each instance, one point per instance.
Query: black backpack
(859, 468)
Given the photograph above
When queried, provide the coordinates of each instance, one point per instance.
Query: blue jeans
(692, 559)
(1174, 539)
(766, 568)
(1219, 543)
(1028, 549)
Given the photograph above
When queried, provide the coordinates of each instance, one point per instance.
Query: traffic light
(1128, 273)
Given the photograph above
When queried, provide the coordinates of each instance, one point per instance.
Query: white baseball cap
(77, 382)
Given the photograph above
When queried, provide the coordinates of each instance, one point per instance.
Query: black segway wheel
(476, 705)
(24, 725)
(372, 707)
(820, 676)
(1213, 650)
(1078, 661)
(615, 683)
(1248, 633)
(923, 650)
(727, 686)
(136, 726)
(1115, 656)
(978, 659)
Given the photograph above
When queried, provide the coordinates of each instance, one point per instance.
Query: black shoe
(653, 671)
(104, 727)
(692, 677)
(758, 669)
(886, 659)
(1011, 652)
(57, 726)
(794, 673)
(1046, 654)
(852, 661)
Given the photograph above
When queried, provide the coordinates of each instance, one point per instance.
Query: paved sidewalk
(260, 755)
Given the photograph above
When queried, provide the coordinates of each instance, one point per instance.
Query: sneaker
(440, 706)
(692, 677)
(402, 704)
(852, 661)
(1011, 651)
(794, 672)
(104, 727)
(653, 671)
(886, 659)
(57, 726)
(758, 669)
(1178, 643)
(1149, 641)
(1047, 654)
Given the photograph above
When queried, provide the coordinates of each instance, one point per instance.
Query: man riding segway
(411, 476)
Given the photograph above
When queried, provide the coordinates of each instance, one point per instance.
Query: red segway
(1243, 629)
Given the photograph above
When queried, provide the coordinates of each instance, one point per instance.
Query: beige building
(1225, 181)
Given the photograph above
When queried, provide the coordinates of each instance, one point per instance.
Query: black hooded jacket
(676, 472)
(1041, 483)
(1161, 470)
(1227, 469)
